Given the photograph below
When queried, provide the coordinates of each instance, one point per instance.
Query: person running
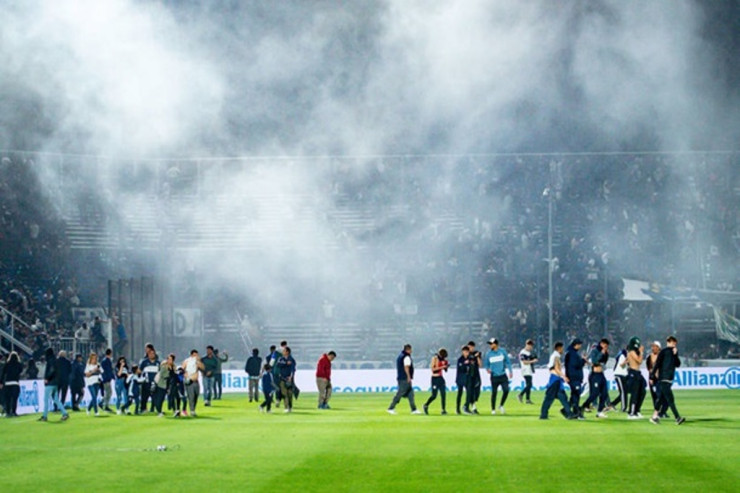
(497, 365)
(527, 359)
(287, 367)
(404, 378)
(462, 376)
(555, 385)
(92, 382)
(323, 378)
(474, 382)
(650, 364)
(598, 388)
(620, 376)
(663, 372)
(438, 365)
(252, 368)
(574, 364)
(635, 381)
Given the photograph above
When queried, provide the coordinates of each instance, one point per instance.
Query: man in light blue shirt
(498, 365)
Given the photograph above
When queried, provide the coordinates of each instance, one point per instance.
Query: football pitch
(357, 446)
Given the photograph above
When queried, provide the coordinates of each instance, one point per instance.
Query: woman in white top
(92, 381)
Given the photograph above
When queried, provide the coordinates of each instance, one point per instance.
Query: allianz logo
(29, 396)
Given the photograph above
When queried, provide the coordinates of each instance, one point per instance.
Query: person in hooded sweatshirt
(574, 364)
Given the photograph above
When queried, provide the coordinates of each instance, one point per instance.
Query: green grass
(357, 446)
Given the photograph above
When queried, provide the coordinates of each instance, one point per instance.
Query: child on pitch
(136, 381)
(268, 388)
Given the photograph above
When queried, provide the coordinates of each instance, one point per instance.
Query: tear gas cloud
(143, 84)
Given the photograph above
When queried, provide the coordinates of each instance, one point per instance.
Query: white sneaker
(416, 411)
(640, 416)
(286, 410)
(501, 410)
(634, 416)
(87, 411)
(119, 412)
(391, 411)
(160, 415)
(97, 413)
(601, 415)
(493, 411)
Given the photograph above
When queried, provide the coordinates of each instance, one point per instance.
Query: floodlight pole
(549, 264)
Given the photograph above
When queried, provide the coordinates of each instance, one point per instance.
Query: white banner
(188, 322)
(385, 380)
(365, 381)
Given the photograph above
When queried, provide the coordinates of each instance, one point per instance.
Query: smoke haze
(134, 81)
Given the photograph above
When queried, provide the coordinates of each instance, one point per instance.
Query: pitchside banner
(364, 381)
(385, 380)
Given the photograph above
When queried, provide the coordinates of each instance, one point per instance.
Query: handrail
(15, 342)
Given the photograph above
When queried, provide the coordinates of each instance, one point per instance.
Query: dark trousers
(146, 393)
(503, 382)
(472, 391)
(77, 395)
(623, 393)
(460, 390)
(63, 389)
(527, 392)
(636, 384)
(267, 404)
(159, 395)
(654, 394)
(665, 397)
(598, 389)
(576, 387)
(404, 390)
(554, 391)
(438, 386)
(217, 388)
(11, 399)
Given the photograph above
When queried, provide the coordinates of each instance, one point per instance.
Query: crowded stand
(473, 259)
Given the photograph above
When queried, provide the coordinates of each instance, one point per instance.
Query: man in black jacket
(65, 370)
(253, 367)
(574, 364)
(51, 390)
(77, 382)
(663, 373)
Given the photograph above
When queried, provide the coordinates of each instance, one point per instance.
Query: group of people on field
(139, 388)
(565, 367)
(277, 376)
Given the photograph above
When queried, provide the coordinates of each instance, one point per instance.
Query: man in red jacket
(323, 378)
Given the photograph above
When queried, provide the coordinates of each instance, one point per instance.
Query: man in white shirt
(193, 366)
(527, 359)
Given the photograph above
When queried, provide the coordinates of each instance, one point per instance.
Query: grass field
(357, 446)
